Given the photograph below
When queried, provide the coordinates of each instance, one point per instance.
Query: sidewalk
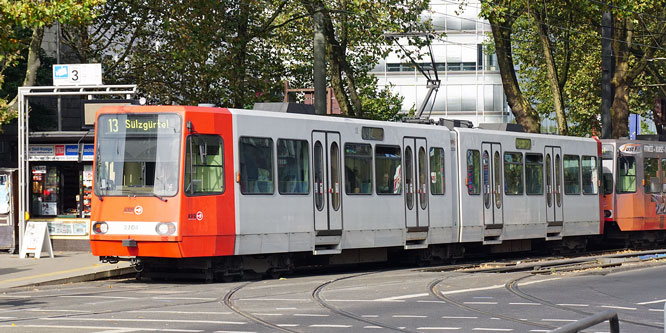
(66, 267)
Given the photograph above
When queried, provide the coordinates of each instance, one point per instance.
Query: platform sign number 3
(77, 74)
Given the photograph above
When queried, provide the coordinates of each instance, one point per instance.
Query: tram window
(626, 175)
(663, 175)
(388, 170)
(256, 165)
(651, 180)
(473, 172)
(534, 174)
(437, 171)
(293, 166)
(358, 168)
(513, 173)
(571, 174)
(204, 165)
(589, 171)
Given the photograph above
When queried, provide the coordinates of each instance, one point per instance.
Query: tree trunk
(520, 106)
(237, 82)
(553, 81)
(620, 109)
(32, 66)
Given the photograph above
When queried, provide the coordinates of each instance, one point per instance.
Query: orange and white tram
(232, 190)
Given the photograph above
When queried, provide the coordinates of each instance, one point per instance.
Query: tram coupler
(109, 260)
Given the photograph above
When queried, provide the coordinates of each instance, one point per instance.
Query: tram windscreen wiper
(158, 196)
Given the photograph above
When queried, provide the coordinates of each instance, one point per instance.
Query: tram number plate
(131, 227)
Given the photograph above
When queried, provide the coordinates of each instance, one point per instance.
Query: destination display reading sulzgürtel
(139, 123)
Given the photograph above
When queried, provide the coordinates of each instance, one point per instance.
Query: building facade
(471, 86)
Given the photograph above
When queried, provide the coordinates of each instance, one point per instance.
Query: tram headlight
(100, 228)
(165, 228)
(608, 213)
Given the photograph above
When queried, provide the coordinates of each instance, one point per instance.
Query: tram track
(247, 315)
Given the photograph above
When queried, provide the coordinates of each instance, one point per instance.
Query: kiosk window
(358, 168)
(256, 165)
(293, 166)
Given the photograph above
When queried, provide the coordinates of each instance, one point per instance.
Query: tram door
(416, 183)
(554, 212)
(327, 180)
(491, 168)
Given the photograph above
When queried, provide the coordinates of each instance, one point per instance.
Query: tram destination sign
(139, 124)
(77, 74)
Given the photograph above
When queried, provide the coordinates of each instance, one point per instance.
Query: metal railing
(592, 320)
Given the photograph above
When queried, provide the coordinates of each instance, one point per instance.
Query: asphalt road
(407, 300)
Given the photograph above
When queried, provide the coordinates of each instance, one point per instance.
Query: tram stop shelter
(55, 157)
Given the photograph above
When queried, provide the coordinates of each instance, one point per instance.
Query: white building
(471, 87)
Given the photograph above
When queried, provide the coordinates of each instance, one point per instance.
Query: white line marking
(439, 328)
(656, 310)
(364, 300)
(7, 318)
(492, 329)
(497, 286)
(232, 331)
(161, 292)
(574, 305)
(524, 303)
(442, 302)
(482, 297)
(275, 299)
(93, 296)
(288, 325)
(286, 309)
(652, 302)
(185, 298)
(539, 330)
(57, 310)
(267, 314)
(370, 316)
(97, 328)
(150, 320)
(617, 307)
(372, 327)
(408, 316)
(394, 298)
(178, 312)
(564, 320)
(330, 326)
(14, 296)
(310, 315)
(458, 317)
(490, 303)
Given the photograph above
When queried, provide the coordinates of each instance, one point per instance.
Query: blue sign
(71, 150)
(60, 71)
(634, 123)
(88, 149)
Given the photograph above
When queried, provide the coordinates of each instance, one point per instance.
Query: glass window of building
(513, 173)
(293, 166)
(256, 165)
(388, 170)
(571, 174)
(358, 168)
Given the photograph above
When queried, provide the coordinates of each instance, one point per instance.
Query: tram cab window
(388, 169)
(589, 171)
(650, 171)
(534, 174)
(513, 173)
(204, 165)
(256, 165)
(437, 171)
(571, 174)
(293, 166)
(626, 174)
(358, 168)
(474, 172)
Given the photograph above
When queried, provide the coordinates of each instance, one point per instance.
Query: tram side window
(590, 171)
(358, 168)
(534, 173)
(626, 175)
(513, 173)
(571, 174)
(663, 174)
(473, 172)
(204, 165)
(256, 165)
(293, 166)
(437, 171)
(650, 169)
(388, 170)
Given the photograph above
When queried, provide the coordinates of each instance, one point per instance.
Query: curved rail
(247, 315)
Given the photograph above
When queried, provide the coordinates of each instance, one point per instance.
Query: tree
(19, 16)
